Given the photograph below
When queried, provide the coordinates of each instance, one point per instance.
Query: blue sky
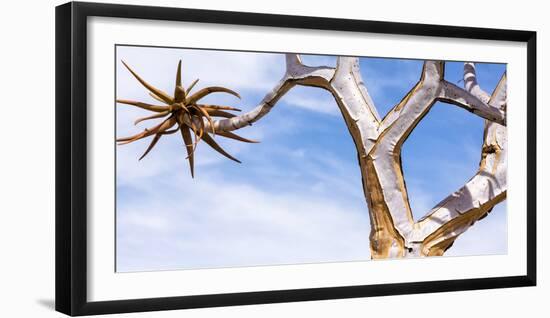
(296, 197)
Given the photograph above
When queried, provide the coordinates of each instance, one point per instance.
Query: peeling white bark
(296, 74)
(455, 214)
(394, 233)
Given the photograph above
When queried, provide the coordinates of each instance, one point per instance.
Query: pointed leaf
(216, 147)
(178, 75)
(231, 135)
(167, 124)
(156, 97)
(209, 90)
(145, 133)
(167, 99)
(179, 91)
(206, 106)
(219, 113)
(153, 108)
(191, 86)
(151, 145)
(188, 141)
(159, 115)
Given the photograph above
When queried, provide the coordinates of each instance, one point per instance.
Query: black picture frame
(71, 157)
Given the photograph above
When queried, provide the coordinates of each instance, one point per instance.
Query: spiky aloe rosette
(194, 121)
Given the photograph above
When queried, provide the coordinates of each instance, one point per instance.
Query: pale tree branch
(453, 94)
(471, 85)
(454, 215)
(296, 73)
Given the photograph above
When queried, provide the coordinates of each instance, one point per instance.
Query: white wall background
(27, 159)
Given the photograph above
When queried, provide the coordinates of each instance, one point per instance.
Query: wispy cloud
(237, 70)
(388, 84)
(312, 99)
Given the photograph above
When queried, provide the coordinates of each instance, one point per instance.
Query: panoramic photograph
(238, 159)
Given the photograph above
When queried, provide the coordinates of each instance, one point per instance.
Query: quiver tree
(394, 232)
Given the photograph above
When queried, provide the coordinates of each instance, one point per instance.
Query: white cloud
(312, 99)
(387, 88)
(210, 223)
(235, 70)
